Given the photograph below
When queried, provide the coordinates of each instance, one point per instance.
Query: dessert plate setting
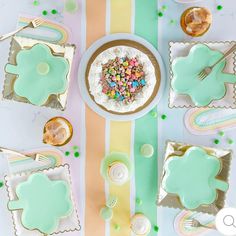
(121, 77)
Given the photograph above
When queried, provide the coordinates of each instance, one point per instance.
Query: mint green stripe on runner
(146, 127)
(146, 20)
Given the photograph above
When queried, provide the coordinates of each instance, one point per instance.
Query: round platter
(121, 40)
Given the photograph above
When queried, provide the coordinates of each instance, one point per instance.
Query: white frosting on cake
(96, 71)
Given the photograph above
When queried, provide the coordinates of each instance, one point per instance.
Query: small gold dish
(58, 131)
(196, 21)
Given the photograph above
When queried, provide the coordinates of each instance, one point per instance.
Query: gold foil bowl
(58, 131)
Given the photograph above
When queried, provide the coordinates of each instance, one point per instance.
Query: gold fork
(36, 156)
(193, 223)
(207, 70)
(33, 24)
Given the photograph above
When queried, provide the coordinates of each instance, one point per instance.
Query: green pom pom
(221, 133)
(219, 7)
(163, 117)
(106, 213)
(54, 11)
(1, 184)
(67, 153)
(153, 114)
(117, 227)
(139, 201)
(216, 141)
(156, 228)
(230, 141)
(36, 3)
(71, 6)
(76, 154)
(44, 12)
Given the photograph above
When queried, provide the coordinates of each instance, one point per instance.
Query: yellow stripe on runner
(120, 141)
(120, 132)
(121, 16)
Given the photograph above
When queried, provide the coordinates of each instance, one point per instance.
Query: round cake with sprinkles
(121, 79)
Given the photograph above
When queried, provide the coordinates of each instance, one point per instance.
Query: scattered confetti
(216, 141)
(139, 201)
(163, 117)
(71, 6)
(219, 7)
(76, 154)
(75, 147)
(230, 141)
(67, 153)
(35, 3)
(173, 22)
(160, 14)
(221, 133)
(117, 227)
(44, 12)
(1, 183)
(54, 11)
(156, 228)
(153, 114)
(164, 7)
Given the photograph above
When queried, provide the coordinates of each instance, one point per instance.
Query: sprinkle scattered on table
(117, 227)
(44, 12)
(54, 11)
(219, 7)
(156, 228)
(216, 141)
(139, 201)
(153, 114)
(163, 117)
(36, 3)
(160, 14)
(76, 154)
(230, 141)
(67, 153)
(221, 133)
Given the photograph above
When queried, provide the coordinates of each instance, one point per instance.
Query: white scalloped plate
(82, 77)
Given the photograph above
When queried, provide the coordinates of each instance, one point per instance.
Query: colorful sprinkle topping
(122, 79)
